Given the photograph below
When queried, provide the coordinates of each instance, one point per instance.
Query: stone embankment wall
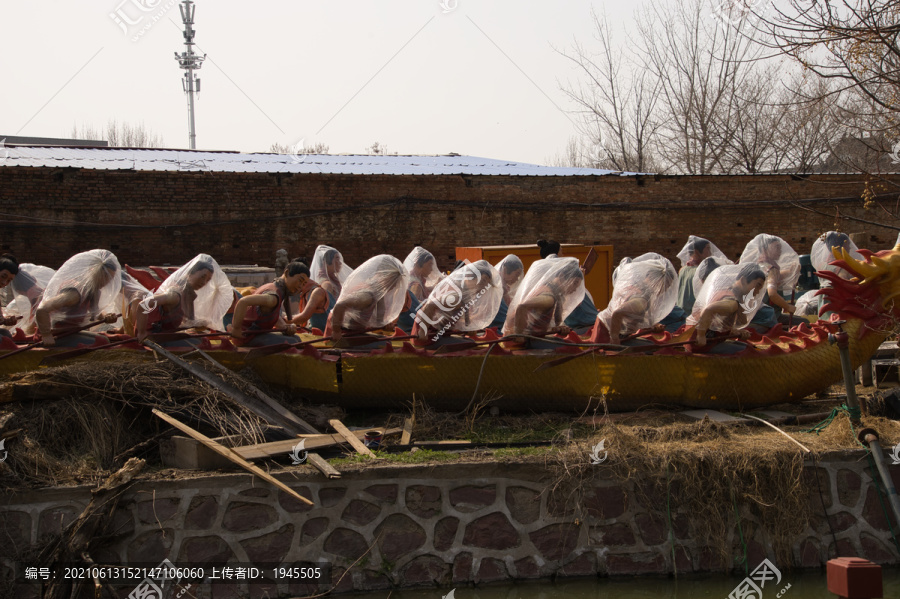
(153, 217)
(447, 525)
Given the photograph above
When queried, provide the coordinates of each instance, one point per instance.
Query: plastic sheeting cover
(551, 290)
(693, 241)
(26, 292)
(704, 269)
(207, 302)
(821, 255)
(328, 266)
(97, 278)
(380, 283)
(422, 269)
(645, 292)
(512, 271)
(776, 258)
(465, 300)
(731, 282)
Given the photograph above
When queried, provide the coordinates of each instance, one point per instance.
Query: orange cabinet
(598, 281)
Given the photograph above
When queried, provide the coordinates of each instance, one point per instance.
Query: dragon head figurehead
(873, 294)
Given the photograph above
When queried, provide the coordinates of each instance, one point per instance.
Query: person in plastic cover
(24, 285)
(81, 291)
(313, 302)
(329, 270)
(423, 272)
(552, 288)
(372, 297)
(644, 294)
(820, 256)
(727, 302)
(262, 311)
(197, 294)
(782, 267)
(464, 301)
(691, 255)
(512, 271)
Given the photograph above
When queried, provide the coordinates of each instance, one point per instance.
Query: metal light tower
(190, 62)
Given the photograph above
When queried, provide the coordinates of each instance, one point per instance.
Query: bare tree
(700, 65)
(124, 135)
(299, 148)
(617, 105)
(854, 42)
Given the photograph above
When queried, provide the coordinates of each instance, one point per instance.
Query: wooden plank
(323, 465)
(231, 455)
(255, 406)
(265, 450)
(713, 415)
(773, 415)
(408, 425)
(350, 437)
(301, 424)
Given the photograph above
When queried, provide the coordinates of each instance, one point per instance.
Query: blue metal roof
(144, 159)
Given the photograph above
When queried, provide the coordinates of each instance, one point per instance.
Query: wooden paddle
(357, 341)
(634, 349)
(268, 350)
(570, 357)
(465, 345)
(52, 359)
(65, 333)
(157, 337)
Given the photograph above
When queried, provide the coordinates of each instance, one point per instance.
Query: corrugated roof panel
(198, 161)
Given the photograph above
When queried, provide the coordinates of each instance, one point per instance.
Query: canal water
(793, 585)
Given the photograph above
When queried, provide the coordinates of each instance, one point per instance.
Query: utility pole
(190, 62)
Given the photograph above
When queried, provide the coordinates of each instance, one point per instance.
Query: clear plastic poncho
(704, 269)
(559, 279)
(467, 299)
(328, 266)
(512, 271)
(729, 282)
(771, 252)
(808, 304)
(210, 302)
(422, 268)
(629, 260)
(97, 278)
(685, 254)
(25, 293)
(650, 278)
(821, 255)
(381, 282)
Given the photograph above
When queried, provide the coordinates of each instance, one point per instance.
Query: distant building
(10, 140)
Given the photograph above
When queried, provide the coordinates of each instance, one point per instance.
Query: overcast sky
(480, 78)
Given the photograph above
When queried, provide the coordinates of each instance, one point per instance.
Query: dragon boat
(776, 367)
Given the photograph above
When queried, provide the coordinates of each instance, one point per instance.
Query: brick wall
(168, 217)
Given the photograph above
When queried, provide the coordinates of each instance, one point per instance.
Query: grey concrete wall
(439, 525)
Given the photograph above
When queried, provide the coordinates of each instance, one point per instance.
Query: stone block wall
(448, 525)
(148, 217)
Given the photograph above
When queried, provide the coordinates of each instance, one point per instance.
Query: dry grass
(103, 411)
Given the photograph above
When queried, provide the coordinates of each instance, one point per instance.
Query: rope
(852, 413)
(671, 528)
(822, 500)
(741, 531)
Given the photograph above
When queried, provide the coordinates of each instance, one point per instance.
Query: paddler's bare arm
(633, 307)
(725, 307)
(140, 321)
(317, 299)
(354, 301)
(48, 306)
(265, 300)
(539, 302)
